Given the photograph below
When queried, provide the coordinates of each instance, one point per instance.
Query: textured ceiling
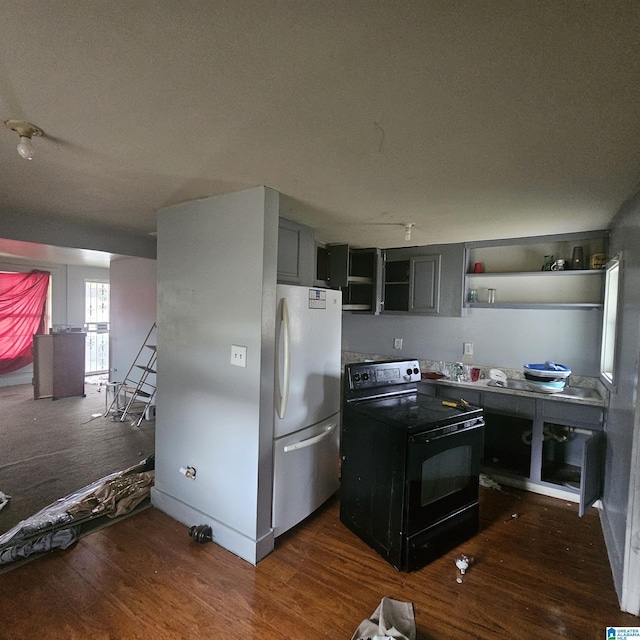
(472, 120)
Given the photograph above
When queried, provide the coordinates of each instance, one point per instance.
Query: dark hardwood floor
(540, 576)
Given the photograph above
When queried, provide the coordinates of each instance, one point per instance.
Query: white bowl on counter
(554, 386)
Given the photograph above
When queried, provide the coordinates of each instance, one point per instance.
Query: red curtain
(23, 298)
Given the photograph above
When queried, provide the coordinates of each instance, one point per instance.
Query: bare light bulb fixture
(407, 230)
(25, 148)
(25, 130)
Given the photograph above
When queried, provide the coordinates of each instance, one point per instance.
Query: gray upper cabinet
(358, 273)
(515, 270)
(425, 280)
(412, 285)
(425, 284)
(296, 253)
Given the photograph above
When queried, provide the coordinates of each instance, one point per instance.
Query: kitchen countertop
(583, 390)
(579, 395)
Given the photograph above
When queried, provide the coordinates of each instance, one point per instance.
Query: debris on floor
(392, 620)
(4, 500)
(463, 563)
(489, 483)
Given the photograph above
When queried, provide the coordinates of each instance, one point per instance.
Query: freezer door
(308, 354)
(306, 472)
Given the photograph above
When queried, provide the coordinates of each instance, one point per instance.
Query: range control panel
(367, 375)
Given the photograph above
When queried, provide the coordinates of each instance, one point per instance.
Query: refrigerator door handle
(286, 347)
(328, 430)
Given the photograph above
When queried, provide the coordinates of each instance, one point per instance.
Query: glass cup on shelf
(491, 296)
(472, 296)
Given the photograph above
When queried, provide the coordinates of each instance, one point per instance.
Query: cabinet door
(288, 251)
(296, 253)
(68, 365)
(592, 467)
(425, 284)
(338, 265)
(358, 273)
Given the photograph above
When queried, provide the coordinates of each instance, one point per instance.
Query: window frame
(610, 320)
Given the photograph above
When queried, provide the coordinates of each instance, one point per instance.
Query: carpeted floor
(49, 449)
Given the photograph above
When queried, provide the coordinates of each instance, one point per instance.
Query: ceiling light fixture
(407, 230)
(25, 130)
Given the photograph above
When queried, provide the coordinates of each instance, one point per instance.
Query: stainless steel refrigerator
(307, 404)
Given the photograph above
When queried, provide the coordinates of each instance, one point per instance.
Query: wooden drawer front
(573, 414)
(456, 393)
(508, 403)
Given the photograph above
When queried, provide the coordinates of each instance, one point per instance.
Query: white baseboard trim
(13, 379)
(615, 560)
(250, 550)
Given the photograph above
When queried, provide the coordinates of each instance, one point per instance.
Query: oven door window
(443, 476)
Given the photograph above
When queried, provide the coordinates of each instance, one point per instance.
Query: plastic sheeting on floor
(58, 525)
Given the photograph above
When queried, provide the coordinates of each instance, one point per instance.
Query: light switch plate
(238, 355)
(467, 349)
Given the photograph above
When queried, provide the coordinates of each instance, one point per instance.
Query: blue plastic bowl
(548, 369)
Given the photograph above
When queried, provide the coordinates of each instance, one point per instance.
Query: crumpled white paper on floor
(4, 500)
(392, 620)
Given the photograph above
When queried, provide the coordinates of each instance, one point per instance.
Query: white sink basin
(521, 385)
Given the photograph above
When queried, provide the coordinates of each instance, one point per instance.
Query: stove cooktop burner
(414, 411)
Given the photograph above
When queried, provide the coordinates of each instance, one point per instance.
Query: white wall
(133, 311)
(216, 287)
(501, 337)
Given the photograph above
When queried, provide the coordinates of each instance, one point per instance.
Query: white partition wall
(216, 288)
(133, 311)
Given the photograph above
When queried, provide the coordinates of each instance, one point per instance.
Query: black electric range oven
(410, 465)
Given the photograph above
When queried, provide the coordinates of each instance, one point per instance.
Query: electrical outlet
(467, 349)
(397, 343)
(238, 355)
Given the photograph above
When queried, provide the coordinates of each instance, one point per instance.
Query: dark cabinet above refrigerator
(357, 272)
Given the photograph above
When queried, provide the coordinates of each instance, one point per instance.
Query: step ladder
(137, 391)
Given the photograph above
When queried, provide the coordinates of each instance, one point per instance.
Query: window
(96, 318)
(609, 322)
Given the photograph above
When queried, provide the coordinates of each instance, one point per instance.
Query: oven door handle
(286, 356)
(301, 444)
(422, 438)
